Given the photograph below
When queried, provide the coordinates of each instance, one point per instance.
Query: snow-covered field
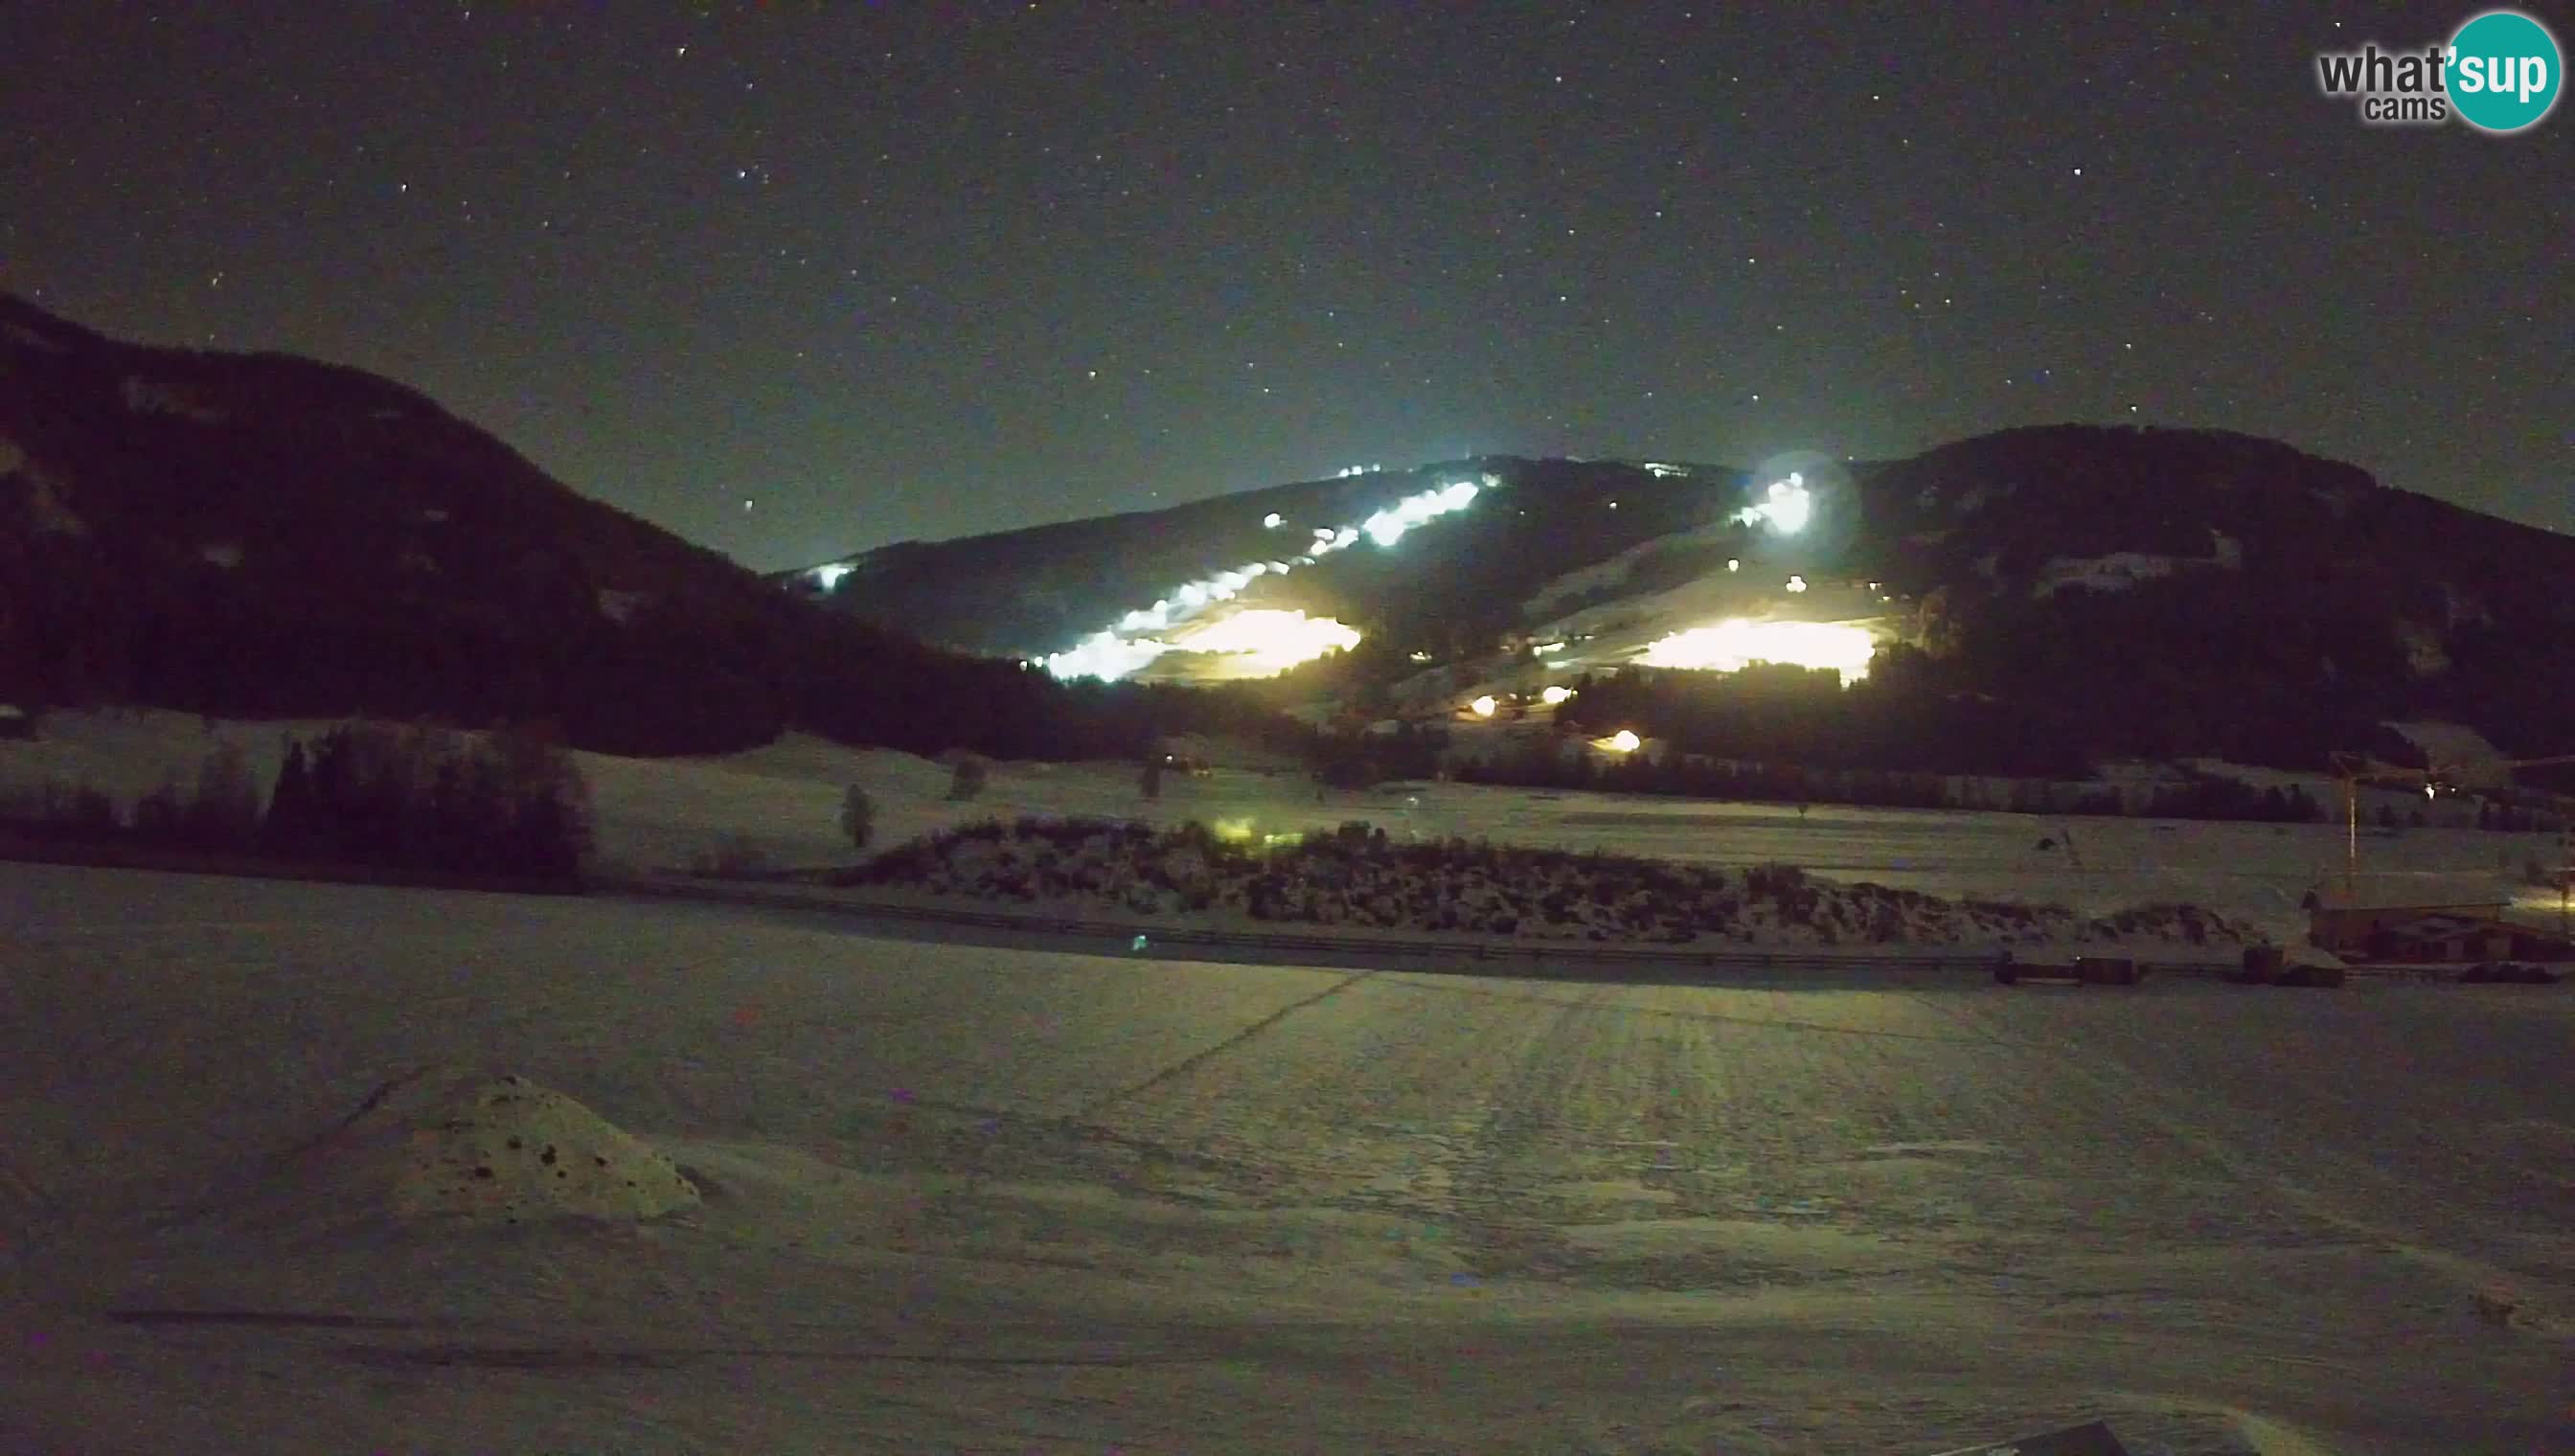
(982, 1200)
(785, 798)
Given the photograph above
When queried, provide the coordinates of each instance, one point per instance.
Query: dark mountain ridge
(2116, 589)
(259, 535)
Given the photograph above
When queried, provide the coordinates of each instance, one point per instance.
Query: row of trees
(507, 804)
(1544, 763)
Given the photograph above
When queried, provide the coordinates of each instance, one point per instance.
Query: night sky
(931, 270)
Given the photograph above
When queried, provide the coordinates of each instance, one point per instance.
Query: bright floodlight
(1733, 645)
(1483, 706)
(1625, 741)
(829, 577)
(1786, 507)
(1269, 641)
(1555, 694)
(1386, 526)
(1796, 584)
(1105, 656)
(1122, 649)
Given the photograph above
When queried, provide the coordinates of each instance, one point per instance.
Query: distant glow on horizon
(1736, 644)
(1127, 645)
(829, 577)
(1787, 507)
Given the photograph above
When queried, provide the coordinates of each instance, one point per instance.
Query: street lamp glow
(1483, 706)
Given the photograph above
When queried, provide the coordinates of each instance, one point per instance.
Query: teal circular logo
(2504, 71)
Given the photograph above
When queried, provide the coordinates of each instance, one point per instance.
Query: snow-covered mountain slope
(2167, 592)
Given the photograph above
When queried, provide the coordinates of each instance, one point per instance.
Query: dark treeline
(2201, 797)
(1906, 717)
(508, 806)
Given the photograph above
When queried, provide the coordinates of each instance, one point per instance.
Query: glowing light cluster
(1349, 471)
(1483, 706)
(1129, 645)
(1786, 508)
(1268, 640)
(1555, 694)
(1386, 526)
(1106, 656)
(1736, 644)
(1191, 598)
(1624, 741)
(829, 577)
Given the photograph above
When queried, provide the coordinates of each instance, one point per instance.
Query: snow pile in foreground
(1355, 876)
(454, 1148)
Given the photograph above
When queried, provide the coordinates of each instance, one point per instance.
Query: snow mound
(451, 1146)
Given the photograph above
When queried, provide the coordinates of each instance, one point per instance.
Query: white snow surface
(1614, 571)
(2116, 572)
(2451, 746)
(952, 1198)
(783, 800)
(2120, 570)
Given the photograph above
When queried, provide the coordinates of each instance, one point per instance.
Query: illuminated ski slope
(1139, 637)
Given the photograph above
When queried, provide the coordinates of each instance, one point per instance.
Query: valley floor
(785, 798)
(965, 1198)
